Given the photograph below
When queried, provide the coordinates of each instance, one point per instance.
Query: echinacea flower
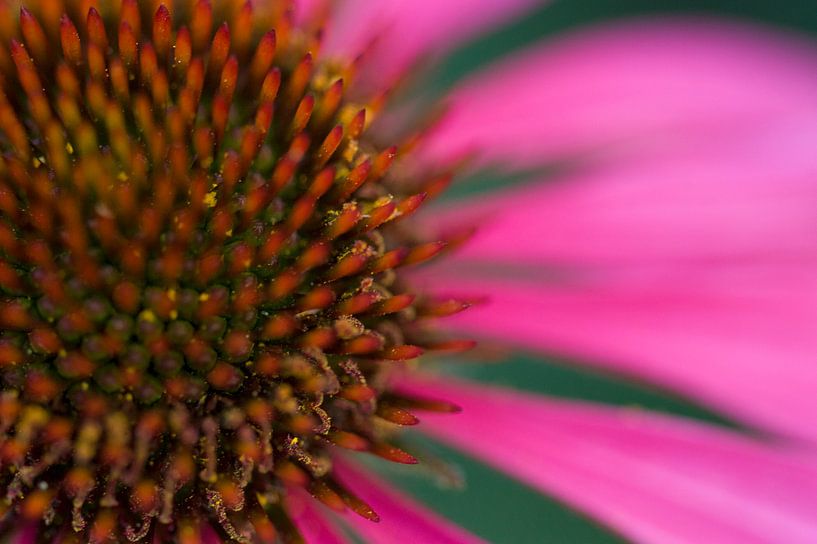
(208, 292)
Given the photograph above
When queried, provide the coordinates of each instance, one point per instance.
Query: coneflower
(206, 292)
(200, 273)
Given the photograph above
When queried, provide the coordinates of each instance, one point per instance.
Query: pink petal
(26, 535)
(653, 478)
(407, 29)
(749, 356)
(209, 535)
(313, 524)
(401, 519)
(625, 86)
(694, 268)
(304, 9)
(748, 199)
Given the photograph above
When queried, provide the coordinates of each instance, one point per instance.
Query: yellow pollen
(148, 315)
(210, 199)
(382, 201)
(351, 150)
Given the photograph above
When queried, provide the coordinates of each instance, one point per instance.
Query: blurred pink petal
(749, 356)
(304, 9)
(695, 268)
(654, 83)
(209, 535)
(403, 30)
(401, 519)
(26, 535)
(653, 478)
(313, 524)
(750, 199)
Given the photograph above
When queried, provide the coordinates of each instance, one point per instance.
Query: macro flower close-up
(392, 271)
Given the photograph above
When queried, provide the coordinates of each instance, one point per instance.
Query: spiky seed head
(197, 263)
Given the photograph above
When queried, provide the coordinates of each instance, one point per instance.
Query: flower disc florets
(197, 254)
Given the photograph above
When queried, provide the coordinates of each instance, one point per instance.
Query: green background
(491, 505)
